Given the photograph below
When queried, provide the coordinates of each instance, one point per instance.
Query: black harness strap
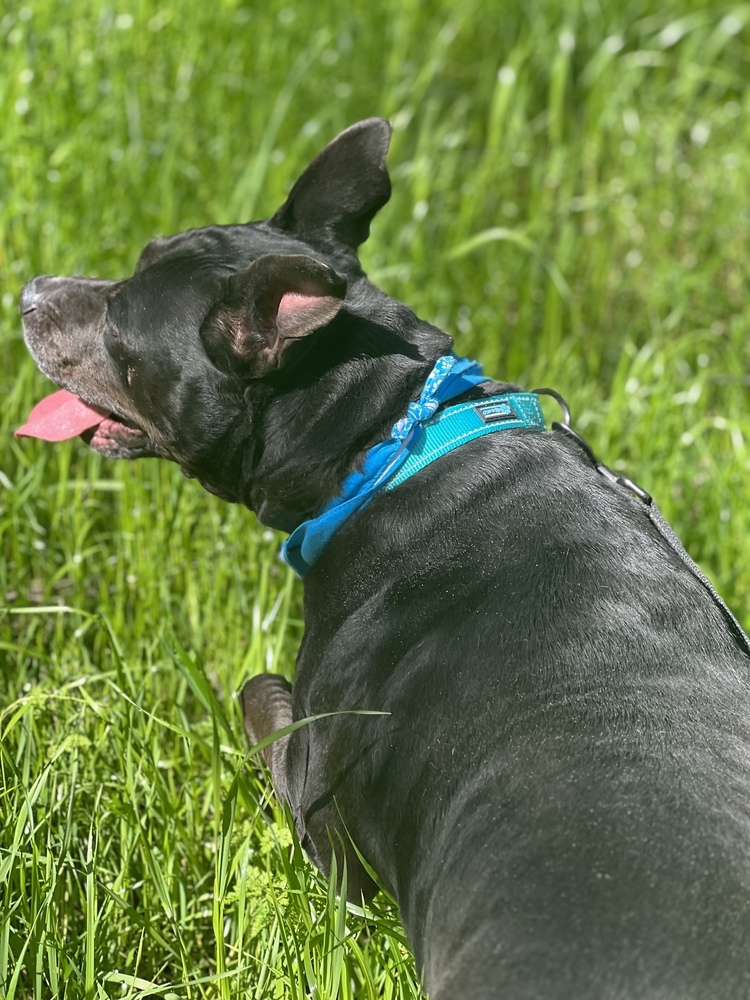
(655, 516)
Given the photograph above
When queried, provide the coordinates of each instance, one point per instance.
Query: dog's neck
(315, 438)
(295, 481)
(341, 392)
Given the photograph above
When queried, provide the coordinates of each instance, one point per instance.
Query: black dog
(559, 793)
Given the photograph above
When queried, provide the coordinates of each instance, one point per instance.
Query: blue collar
(419, 438)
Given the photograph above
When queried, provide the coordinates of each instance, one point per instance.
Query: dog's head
(231, 343)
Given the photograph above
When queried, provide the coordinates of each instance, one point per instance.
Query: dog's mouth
(63, 415)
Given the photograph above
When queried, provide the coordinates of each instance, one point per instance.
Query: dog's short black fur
(559, 795)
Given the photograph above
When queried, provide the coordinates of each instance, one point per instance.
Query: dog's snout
(31, 294)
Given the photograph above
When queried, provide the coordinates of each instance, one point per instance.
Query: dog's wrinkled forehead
(233, 246)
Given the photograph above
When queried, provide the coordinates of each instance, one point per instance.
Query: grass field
(571, 201)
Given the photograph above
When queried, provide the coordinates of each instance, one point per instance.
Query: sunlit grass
(571, 196)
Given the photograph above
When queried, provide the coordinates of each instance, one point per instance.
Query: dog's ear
(276, 300)
(336, 198)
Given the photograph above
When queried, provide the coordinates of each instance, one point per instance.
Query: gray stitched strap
(655, 516)
(665, 530)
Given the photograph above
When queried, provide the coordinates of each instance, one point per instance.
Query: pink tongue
(61, 416)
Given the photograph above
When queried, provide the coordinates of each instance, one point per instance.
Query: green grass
(571, 200)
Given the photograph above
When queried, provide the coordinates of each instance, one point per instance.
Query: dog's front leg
(267, 706)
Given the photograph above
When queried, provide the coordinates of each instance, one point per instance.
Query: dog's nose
(31, 293)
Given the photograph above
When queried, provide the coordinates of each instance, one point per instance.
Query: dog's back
(559, 797)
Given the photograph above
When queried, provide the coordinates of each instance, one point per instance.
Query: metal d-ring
(558, 399)
(625, 481)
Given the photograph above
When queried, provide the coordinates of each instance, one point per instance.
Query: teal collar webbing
(456, 425)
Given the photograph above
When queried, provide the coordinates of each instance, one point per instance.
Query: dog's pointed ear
(336, 197)
(278, 299)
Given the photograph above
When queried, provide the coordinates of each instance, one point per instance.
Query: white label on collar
(492, 411)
